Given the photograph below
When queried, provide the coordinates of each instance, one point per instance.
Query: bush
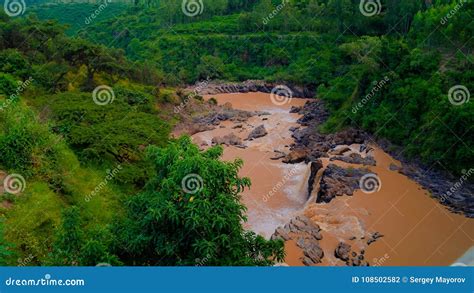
(191, 210)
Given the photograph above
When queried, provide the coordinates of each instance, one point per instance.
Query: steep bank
(249, 86)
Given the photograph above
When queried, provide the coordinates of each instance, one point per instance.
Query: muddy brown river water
(417, 229)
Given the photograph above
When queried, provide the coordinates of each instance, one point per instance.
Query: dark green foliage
(73, 246)
(178, 221)
(115, 132)
(6, 248)
(25, 145)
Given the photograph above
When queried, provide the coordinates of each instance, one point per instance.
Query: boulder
(315, 166)
(296, 156)
(258, 132)
(229, 139)
(342, 251)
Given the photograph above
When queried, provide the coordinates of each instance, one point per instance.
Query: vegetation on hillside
(76, 119)
(85, 116)
(399, 64)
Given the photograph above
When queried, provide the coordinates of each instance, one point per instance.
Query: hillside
(91, 96)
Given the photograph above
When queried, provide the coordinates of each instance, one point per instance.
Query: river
(417, 229)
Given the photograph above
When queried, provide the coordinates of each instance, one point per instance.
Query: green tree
(190, 211)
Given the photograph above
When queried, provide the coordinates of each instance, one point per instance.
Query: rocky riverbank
(249, 86)
(306, 187)
(311, 145)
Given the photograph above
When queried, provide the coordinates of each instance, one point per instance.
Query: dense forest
(401, 72)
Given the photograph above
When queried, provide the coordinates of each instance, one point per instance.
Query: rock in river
(259, 131)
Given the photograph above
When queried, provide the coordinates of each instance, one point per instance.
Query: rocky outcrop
(224, 114)
(355, 158)
(306, 234)
(218, 87)
(455, 192)
(320, 145)
(278, 155)
(258, 132)
(312, 182)
(296, 156)
(229, 139)
(337, 181)
(373, 237)
(344, 252)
